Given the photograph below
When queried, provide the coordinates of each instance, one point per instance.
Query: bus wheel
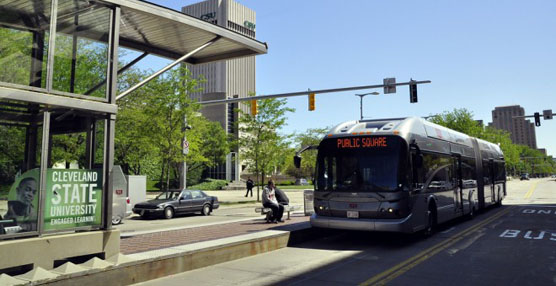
(431, 222)
(471, 213)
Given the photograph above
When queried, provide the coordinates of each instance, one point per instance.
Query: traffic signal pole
(307, 92)
(547, 115)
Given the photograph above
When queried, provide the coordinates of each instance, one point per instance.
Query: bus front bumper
(386, 225)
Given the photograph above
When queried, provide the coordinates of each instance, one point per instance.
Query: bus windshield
(360, 164)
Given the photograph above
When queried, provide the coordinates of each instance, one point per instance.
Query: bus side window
(486, 172)
(468, 173)
(438, 170)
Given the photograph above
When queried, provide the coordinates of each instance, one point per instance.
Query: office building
(521, 130)
(225, 79)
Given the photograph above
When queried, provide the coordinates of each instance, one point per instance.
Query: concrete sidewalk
(153, 255)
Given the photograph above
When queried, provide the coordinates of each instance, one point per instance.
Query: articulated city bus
(403, 175)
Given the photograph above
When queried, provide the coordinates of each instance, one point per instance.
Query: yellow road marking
(408, 264)
(531, 190)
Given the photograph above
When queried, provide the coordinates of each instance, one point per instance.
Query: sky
(478, 55)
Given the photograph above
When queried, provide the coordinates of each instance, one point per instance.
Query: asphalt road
(511, 245)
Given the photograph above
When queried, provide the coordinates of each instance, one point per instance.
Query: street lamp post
(361, 96)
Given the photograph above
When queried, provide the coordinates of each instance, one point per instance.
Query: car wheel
(206, 209)
(116, 220)
(168, 212)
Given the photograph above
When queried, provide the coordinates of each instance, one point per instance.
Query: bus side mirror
(417, 156)
(418, 160)
(297, 161)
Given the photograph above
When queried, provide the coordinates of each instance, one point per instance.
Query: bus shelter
(58, 89)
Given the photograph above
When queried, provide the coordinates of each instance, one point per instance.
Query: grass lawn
(151, 186)
(296, 187)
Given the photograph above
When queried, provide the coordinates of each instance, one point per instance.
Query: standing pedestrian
(249, 186)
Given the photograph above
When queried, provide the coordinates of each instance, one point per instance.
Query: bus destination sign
(364, 142)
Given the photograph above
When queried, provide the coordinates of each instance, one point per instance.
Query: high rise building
(225, 79)
(521, 131)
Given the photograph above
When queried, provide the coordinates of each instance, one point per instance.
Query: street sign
(388, 85)
(185, 147)
(547, 114)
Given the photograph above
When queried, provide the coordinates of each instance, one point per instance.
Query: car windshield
(168, 195)
(359, 164)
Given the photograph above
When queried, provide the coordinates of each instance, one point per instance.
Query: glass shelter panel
(81, 53)
(74, 177)
(24, 33)
(20, 158)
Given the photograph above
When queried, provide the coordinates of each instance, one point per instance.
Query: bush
(210, 184)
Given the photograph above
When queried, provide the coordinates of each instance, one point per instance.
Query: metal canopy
(168, 33)
(144, 27)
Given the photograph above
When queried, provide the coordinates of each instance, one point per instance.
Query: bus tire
(471, 213)
(431, 221)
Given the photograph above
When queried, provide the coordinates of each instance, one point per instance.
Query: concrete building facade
(225, 79)
(521, 131)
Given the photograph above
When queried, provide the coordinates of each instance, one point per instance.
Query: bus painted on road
(403, 175)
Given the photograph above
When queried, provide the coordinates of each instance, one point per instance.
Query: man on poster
(22, 209)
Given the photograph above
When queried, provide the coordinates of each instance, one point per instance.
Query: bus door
(491, 165)
(488, 182)
(457, 183)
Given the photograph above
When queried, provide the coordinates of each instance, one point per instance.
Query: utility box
(308, 197)
(137, 189)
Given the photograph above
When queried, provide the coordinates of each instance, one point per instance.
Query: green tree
(460, 120)
(311, 137)
(263, 148)
(166, 105)
(215, 142)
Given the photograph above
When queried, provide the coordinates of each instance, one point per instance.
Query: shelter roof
(143, 26)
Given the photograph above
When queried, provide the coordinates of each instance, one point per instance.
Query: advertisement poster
(73, 198)
(23, 202)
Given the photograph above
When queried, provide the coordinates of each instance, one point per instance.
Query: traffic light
(412, 93)
(253, 107)
(311, 101)
(537, 119)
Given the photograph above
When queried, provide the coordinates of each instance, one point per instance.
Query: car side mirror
(297, 161)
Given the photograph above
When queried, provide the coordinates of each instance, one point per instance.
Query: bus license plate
(352, 214)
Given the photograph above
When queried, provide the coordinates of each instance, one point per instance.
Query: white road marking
(448, 230)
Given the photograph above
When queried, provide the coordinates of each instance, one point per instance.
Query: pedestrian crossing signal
(311, 101)
(253, 107)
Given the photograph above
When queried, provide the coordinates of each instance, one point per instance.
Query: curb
(144, 266)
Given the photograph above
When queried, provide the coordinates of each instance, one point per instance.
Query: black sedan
(173, 202)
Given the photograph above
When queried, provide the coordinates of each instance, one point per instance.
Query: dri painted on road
(399, 269)
(531, 190)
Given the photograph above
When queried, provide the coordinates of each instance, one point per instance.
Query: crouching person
(270, 201)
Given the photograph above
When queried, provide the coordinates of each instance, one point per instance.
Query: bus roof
(407, 128)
